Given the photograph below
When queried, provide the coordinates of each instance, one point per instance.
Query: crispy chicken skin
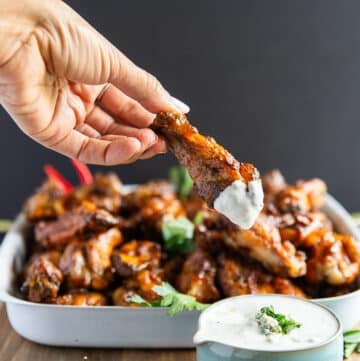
(88, 264)
(143, 282)
(333, 258)
(98, 254)
(211, 167)
(172, 268)
(105, 192)
(147, 207)
(138, 263)
(236, 277)
(43, 281)
(122, 297)
(298, 227)
(81, 299)
(134, 200)
(74, 266)
(263, 243)
(53, 256)
(46, 203)
(87, 217)
(197, 277)
(135, 256)
(303, 197)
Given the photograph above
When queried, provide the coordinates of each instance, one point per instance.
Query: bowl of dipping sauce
(268, 328)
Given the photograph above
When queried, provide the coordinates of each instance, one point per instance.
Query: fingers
(102, 151)
(91, 141)
(125, 108)
(104, 124)
(159, 148)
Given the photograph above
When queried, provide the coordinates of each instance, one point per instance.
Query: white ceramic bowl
(219, 318)
(115, 326)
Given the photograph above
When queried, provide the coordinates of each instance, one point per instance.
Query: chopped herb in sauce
(271, 322)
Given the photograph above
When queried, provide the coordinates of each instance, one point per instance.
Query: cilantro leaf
(199, 217)
(174, 300)
(352, 336)
(180, 177)
(349, 348)
(139, 300)
(178, 235)
(351, 342)
(286, 323)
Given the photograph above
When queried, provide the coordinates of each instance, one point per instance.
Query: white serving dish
(115, 326)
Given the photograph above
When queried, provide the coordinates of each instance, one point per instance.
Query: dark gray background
(277, 82)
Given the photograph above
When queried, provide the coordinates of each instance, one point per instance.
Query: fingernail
(154, 140)
(179, 105)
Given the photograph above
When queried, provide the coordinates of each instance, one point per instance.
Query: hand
(53, 66)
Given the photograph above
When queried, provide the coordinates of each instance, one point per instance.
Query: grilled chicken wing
(87, 217)
(138, 263)
(143, 282)
(236, 277)
(197, 277)
(105, 192)
(122, 297)
(74, 266)
(46, 203)
(81, 299)
(211, 166)
(43, 281)
(298, 227)
(98, 254)
(88, 264)
(303, 197)
(333, 258)
(147, 207)
(263, 243)
(53, 256)
(135, 256)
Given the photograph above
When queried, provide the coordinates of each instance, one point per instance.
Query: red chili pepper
(55, 175)
(83, 172)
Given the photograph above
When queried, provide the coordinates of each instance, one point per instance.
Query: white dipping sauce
(241, 202)
(233, 322)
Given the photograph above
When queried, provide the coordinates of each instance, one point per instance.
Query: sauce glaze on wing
(210, 165)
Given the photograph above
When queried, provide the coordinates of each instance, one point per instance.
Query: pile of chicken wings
(101, 245)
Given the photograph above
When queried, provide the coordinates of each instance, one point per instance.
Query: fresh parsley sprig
(174, 300)
(351, 342)
(180, 177)
(285, 324)
(178, 235)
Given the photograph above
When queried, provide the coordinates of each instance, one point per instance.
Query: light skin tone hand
(54, 65)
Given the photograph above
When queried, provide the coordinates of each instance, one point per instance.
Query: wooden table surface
(15, 348)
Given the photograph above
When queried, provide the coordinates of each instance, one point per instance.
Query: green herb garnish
(180, 177)
(271, 322)
(351, 342)
(176, 301)
(199, 217)
(178, 235)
